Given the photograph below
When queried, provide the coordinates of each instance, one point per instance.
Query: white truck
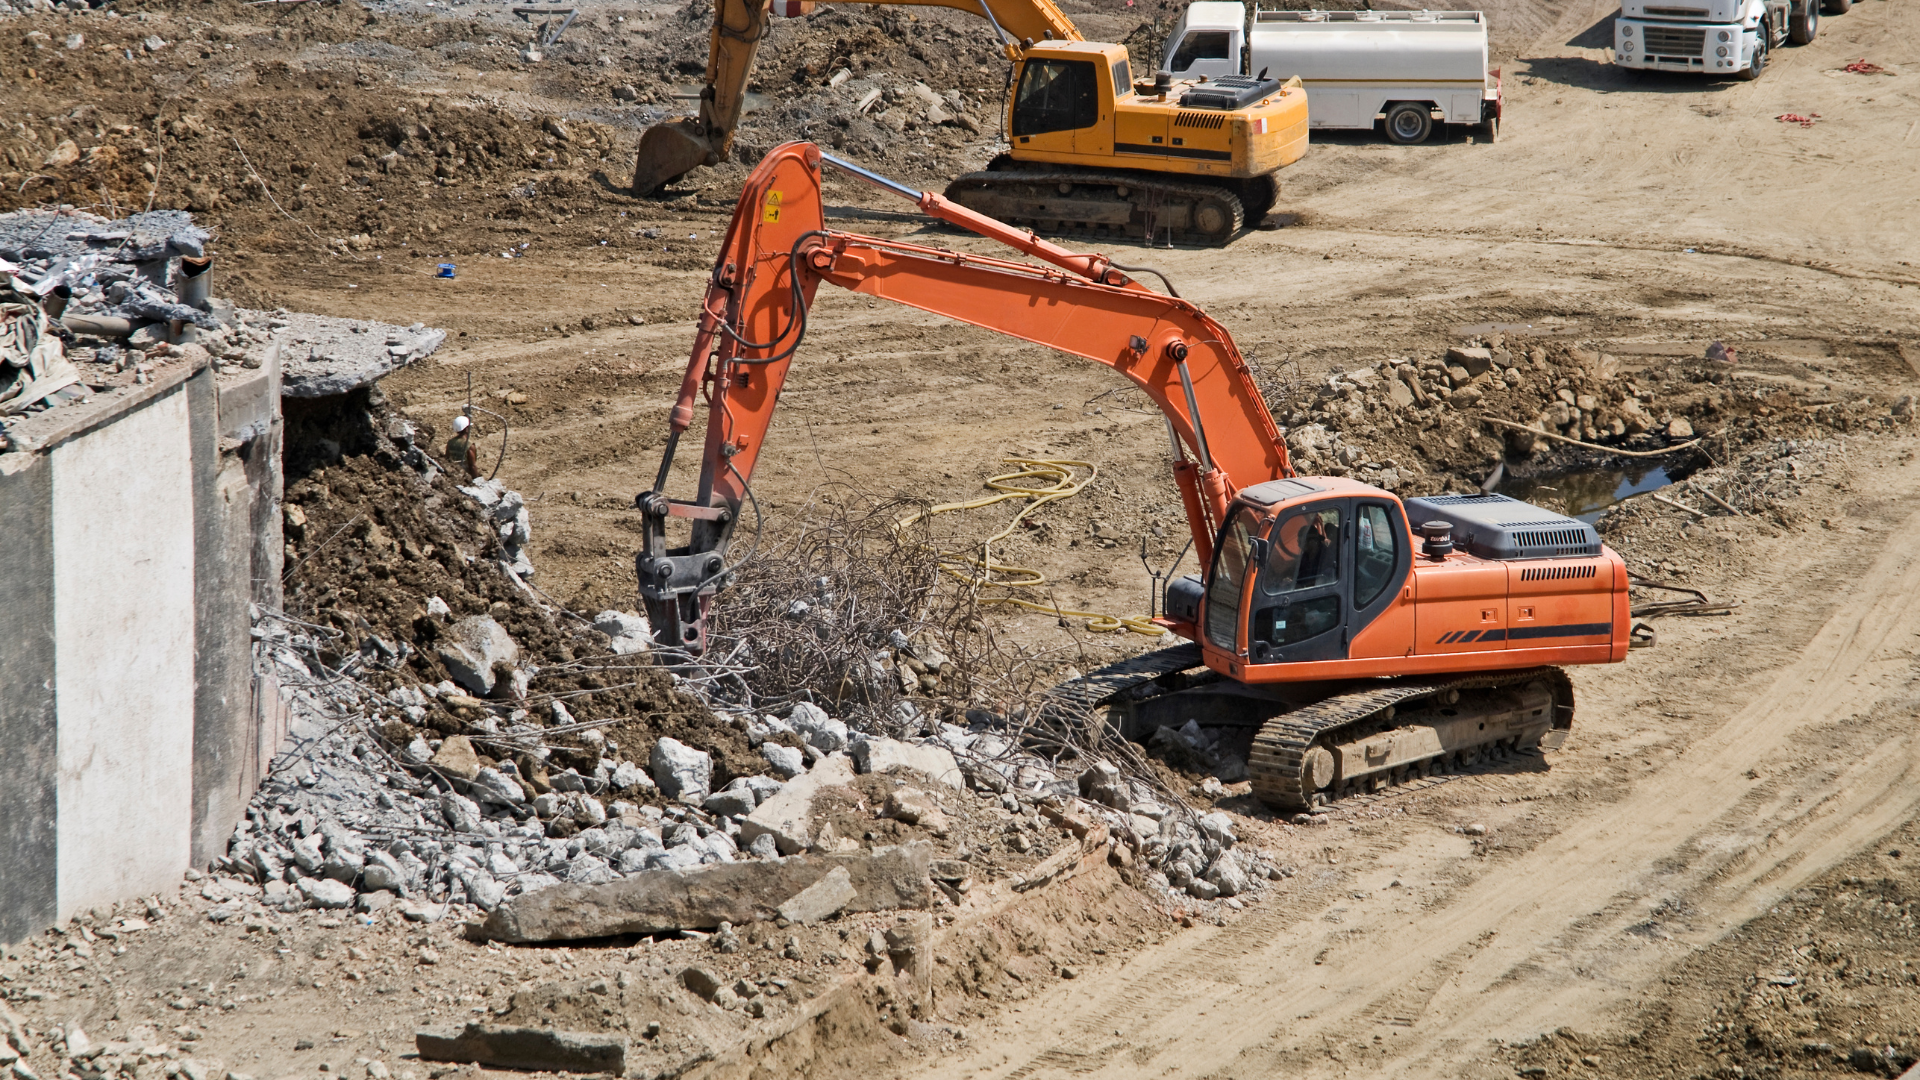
(1712, 37)
(1410, 69)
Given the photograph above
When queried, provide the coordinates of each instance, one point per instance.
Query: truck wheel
(1804, 23)
(1758, 65)
(1838, 7)
(1409, 123)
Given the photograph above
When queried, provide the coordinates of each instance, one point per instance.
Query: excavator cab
(1303, 568)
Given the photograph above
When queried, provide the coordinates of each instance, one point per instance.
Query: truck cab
(1209, 39)
(1710, 37)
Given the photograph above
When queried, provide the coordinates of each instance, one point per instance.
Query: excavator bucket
(668, 152)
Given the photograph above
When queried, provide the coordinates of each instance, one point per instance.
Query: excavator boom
(671, 150)
(777, 253)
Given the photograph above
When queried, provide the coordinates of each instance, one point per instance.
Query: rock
(788, 815)
(628, 777)
(763, 847)
(1475, 829)
(1225, 874)
(422, 911)
(484, 891)
(703, 897)
(1218, 828)
(325, 892)
(628, 634)
(1202, 889)
(489, 786)
(625, 93)
(787, 762)
(731, 803)
(916, 807)
(1400, 395)
(462, 813)
(456, 757)
(1680, 428)
(64, 154)
(874, 754)
(475, 646)
(544, 1049)
(819, 729)
(681, 771)
(1476, 361)
(701, 982)
(821, 899)
(1102, 783)
(438, 609)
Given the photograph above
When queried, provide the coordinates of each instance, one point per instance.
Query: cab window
(1374, 554)
(1305, 553)
(1056, 95)
(1229, 578)
(1199, 45)
(1122, 79)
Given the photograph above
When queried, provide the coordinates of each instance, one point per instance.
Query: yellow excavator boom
(670, 150)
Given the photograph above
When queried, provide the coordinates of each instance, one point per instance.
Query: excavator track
(1079, 697)
(1284, 755)
(1064, 199)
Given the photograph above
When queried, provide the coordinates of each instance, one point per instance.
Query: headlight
(1626, 31)
(1721, 51)
(1725, 36)
(1626, 46)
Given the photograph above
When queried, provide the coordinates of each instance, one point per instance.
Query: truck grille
(1677, 12)
(1674, 41)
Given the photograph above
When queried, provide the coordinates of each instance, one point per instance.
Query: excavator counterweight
(1347, 626)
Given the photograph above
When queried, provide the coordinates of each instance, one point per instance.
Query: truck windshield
(1199, 45)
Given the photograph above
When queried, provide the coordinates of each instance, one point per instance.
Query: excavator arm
(669, 151)
(754, 320)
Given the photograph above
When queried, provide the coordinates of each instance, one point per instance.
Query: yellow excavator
(1089, 148)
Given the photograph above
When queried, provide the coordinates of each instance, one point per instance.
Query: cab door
(1298, 605)
(1055, 100)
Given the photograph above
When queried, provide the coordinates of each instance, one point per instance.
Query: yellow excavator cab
(1075, 103)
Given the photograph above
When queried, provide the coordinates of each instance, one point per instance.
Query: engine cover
(1498, 527)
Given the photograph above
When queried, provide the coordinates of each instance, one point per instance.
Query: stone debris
(703, 898)
(476, 648)
(788, 816)
(876, 754)
(681, 771)
(627, 634)
(821, 899)
(543, 1049)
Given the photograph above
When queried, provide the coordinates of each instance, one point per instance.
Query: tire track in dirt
(1507, 951)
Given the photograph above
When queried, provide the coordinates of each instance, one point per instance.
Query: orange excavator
(1366, 640)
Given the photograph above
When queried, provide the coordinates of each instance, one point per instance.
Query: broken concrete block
(626, 633)
(916, 807)
(874, 754)
(681, 771)
(788, 815)
(456, 757)
(489, 786)
(628, 777)
(473, 647)
(821, 899)
(1476, 361)
(786, 762)
(819, 729)
(1102, 784)
(544, 1049)
(703, 897)
(734, 802)
(701, 982)
(462, 813)
(325, 892)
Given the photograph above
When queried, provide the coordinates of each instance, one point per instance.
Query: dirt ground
(1702, 883)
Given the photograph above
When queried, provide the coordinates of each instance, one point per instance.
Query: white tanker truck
(1406, 69)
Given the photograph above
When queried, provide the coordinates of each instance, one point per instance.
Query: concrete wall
(130, 547)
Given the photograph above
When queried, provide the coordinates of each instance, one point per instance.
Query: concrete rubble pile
(350, 820)
(93, 304)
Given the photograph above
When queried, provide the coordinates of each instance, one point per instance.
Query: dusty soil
(1724, 817)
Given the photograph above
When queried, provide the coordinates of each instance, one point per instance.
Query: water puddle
(1586, 493)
